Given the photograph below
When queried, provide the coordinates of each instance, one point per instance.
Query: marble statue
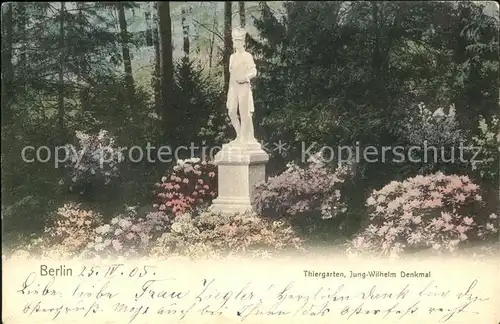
(241, 163)
(239, 97)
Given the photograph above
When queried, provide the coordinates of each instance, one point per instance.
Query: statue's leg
(247, 131)
(232, 108)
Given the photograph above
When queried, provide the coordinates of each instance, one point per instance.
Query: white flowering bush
(67, 233)
(127, 234)
(215, 235)
(436, 211)
(215, 128)
(95, 156)
(488, 141)
(432, 127)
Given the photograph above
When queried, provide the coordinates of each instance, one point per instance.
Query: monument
(242, 162)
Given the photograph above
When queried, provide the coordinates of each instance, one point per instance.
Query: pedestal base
(240, 166)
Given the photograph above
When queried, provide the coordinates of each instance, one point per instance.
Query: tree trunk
(62, 59)
(212, 43)
(23, 38)
(376, 59)
(149, 30)
(127, 63)
(79, 62)
(196, 32)
(157, 73)
(242, 13)
(228, 41)
(185, 32)
(167, 82)
(7, 68)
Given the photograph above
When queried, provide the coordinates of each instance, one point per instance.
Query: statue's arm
(231, 63)
(252, 70)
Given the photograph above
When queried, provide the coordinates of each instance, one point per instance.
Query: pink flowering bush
(211, 234)
(127, 234)
(436, 211)
(315, 188)
(70, 227)
(190, 184)
(95, 157)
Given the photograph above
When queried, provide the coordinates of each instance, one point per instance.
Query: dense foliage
(336, 74)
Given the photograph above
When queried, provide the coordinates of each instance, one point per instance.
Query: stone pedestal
(240, 166)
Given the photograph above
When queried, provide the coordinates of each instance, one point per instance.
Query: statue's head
(239, 35)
